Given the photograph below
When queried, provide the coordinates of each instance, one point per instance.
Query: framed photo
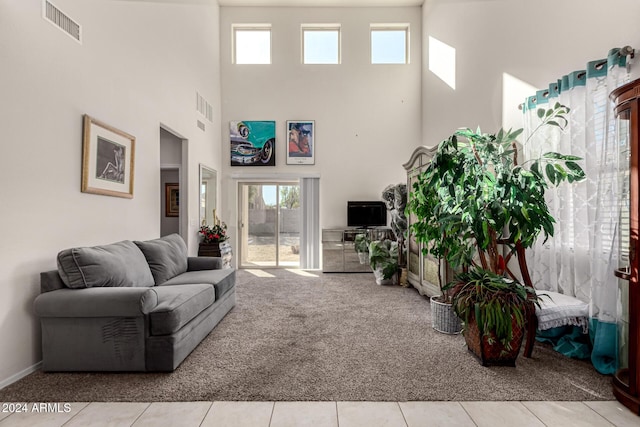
(171, 199)
(301, 142)
(253, 143)
(107, 159)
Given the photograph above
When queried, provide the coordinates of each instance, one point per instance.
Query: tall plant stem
(483, 257)
(475, 153)
(493, 251)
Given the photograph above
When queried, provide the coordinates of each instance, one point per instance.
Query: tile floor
(334, 414)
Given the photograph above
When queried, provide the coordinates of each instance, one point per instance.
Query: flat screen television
(366, 214)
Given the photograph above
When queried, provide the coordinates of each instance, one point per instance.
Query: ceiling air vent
(58, 18)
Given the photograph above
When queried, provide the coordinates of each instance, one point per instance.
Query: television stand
(338, 248)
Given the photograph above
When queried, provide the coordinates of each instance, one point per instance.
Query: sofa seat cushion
(167, 257)
(178, 305)
(222, 280)
(119, 264)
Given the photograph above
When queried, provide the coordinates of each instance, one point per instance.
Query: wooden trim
(85, 187)
(429, 152)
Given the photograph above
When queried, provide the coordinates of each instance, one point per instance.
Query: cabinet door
(351, 258)
(332, 251)
(413, 249)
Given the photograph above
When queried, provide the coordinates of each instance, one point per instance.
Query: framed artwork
(107, 159)
(171, 199)
(253, 143)
(301, 142)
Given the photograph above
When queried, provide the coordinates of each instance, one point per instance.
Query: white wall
(138, 68)
(534, 41)
(367, 116)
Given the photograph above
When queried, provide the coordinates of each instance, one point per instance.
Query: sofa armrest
(204, 263)
(96, 302)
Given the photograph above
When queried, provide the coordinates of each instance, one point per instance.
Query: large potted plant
(476, 206)
(383, 258)
(426, 229)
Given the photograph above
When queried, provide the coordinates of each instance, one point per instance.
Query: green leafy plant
(383, 255)
(475, 207)
(492, 300)
(474, 196)
(361, 243)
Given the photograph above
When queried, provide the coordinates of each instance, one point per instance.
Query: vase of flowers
(212, 237)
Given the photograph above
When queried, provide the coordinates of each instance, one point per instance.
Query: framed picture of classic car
(253, 143)
(107, 159)
(301, 142)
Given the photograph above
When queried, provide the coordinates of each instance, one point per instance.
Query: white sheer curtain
(310, 231)
(579, 260)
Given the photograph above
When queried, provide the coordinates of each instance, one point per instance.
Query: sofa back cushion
(166, 256)
(119, 264)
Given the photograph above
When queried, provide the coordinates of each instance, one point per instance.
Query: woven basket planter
(493, 354)
(443, 318)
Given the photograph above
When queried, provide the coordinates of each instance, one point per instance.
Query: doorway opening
(270, 224)
(173, 169)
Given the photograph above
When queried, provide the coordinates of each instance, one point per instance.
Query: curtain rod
(625, 51)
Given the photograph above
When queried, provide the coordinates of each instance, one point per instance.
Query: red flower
(215, 233)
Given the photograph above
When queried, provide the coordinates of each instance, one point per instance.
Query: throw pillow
(119, 264)
(167, 256)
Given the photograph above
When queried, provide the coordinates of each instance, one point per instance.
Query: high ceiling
(299, 3)
(320, 3)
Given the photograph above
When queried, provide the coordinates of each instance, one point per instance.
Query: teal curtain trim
(567, 340)
(564, 83)
(597, 68)
(603, 337)
(614, 58)
(577, 78)
(530, 104)
(554, 90)
(542, 97)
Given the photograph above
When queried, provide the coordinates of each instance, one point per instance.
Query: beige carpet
(331, 337)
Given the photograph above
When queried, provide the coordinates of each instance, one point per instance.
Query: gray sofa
(130, 306)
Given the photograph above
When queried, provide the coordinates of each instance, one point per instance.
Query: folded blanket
(559, 310)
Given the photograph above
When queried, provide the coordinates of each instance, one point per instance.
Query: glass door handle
(623, 273)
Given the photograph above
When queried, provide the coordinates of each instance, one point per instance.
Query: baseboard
(16, 377)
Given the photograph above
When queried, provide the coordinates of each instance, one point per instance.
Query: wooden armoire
(626, 381)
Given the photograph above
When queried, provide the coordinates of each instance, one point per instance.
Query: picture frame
(108, 159)
(301, 142)
(171, 199)
(252, 142)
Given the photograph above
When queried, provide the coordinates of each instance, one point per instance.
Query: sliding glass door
(269, 224)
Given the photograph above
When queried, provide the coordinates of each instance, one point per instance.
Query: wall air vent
(203, 107)
(58, 18)
(200, 125)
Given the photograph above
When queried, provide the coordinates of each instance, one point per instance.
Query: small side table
(222, 250)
